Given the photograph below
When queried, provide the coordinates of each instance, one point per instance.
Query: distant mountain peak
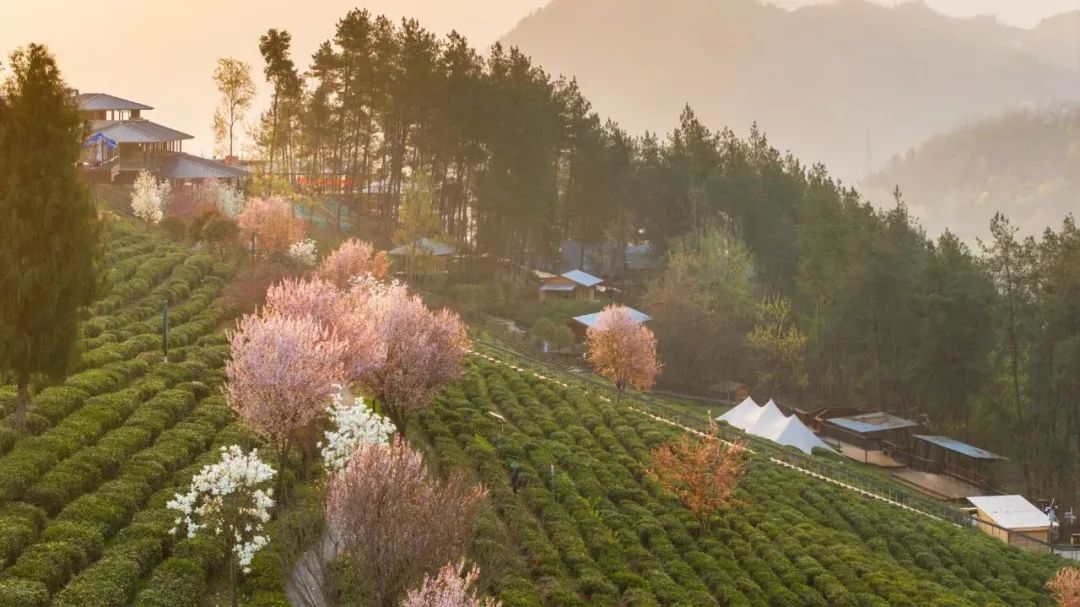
(848, 83)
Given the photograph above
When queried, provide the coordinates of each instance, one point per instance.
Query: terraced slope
(590, 529)
(82, 495)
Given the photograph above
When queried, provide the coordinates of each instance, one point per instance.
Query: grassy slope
(600, 533)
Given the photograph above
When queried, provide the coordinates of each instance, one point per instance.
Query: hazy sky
(162, 52)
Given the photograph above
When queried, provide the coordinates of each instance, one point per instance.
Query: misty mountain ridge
(1023, 163)
(848, 83)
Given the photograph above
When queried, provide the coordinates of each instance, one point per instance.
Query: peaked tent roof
(743, 415)
(582, 278)
(186, 166)
(795, 434)
(426, 245)
(97, 102)
(769, 423)
(589, 320)
(1011, 511)
(140, 131)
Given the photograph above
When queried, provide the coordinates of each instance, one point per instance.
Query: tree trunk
(23, 401)
(233, 599)
(283, 458)
(399, 419)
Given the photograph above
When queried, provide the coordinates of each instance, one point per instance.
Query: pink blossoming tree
(346, 314)
(353, 259)
(622, 349)
(452, 587)
(281, 375)
(395, 522)
(424, 351)
(272, 221)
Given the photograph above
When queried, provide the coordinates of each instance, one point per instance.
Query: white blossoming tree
(355, 425)
(231, 200)
(149, 197)
(303, 253)
(228, 500)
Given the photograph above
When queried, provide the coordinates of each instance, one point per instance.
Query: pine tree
(49, 230)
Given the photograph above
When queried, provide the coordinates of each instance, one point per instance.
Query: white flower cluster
(230, 200)
(303, 253)
(149, 197)
(225, 497)
(355, 426)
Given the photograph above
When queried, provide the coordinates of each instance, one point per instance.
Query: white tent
(796, 434)
(770, 423)
(743, 415)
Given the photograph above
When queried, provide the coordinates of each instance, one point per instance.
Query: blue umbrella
(96, 137)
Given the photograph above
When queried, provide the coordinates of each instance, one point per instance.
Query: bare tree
(233, 80)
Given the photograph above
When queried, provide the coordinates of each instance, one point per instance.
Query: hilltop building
(122, 143)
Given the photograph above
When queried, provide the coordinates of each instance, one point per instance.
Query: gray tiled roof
(186, 166)
(96, 102)
(141, 131)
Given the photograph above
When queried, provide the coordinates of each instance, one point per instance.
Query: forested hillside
(1022, 163)
(515, 162)
(825, 81)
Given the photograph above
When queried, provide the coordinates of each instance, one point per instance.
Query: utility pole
(165, 330)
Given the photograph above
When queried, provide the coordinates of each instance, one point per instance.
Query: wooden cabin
(1013, 520)
(424, 256)
(956, 459)
(880, 433)
(575, 284)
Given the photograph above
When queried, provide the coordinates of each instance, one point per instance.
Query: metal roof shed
(872, 423)
(589, 320)
(955, 446)
(956, 459)
(582, 278)
(1013, 520)
(877, 432)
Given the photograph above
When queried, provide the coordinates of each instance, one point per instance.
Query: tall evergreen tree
(281, 73)
(49, 229)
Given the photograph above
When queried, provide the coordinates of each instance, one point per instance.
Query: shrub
(177, 582)
(51, 563)
(23, 593)
(88, 538)
(175, 227)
